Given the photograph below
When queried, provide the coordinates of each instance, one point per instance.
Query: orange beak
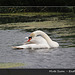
(29, 39)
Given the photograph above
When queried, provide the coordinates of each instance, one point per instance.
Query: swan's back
(39, 40)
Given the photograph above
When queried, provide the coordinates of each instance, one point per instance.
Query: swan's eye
(29, 38)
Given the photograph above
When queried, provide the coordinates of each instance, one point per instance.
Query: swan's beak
(29, 39)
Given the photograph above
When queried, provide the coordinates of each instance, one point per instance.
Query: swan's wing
(36, 42)
(31, 46)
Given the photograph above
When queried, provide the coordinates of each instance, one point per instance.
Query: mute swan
(35, 41)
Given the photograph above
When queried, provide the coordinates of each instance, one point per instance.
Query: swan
(38, 39)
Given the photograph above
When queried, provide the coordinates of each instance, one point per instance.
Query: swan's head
(31, 36)
(34, 34)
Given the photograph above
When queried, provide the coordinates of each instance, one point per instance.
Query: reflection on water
(62, 57)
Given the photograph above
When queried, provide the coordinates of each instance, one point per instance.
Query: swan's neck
(45, 36)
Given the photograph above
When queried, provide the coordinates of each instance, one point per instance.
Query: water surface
(61, 57)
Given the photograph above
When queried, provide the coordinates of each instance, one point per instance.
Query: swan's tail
(17, 47)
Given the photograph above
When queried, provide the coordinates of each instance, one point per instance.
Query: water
(61, 57)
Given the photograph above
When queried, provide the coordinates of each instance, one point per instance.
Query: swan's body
(42, 41)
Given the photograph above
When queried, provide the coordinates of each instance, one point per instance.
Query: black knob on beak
(29, 37)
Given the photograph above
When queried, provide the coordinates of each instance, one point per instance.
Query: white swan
(35, 41)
